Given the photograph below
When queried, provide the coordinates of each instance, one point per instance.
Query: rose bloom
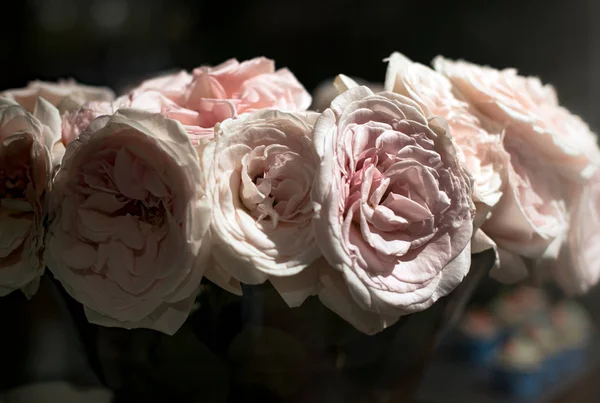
(249, 86)
(260, 170)
(173, 86)
(76, 121)
(479, 150)
(128, 222)
(393, 209)
(531, 217)
(578, 267)
(231, 88)
(532, 111)
(65, 95)
(26, 143)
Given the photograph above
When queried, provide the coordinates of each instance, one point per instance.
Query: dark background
(119, 42)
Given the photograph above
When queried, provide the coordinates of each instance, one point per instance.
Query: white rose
(26, 142)
(129, 218)
(532, 112)
(65, 94)
(260, 170)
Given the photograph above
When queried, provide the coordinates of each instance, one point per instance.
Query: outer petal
(335, 295)
(168, 318)
(328, 90)
(49, 116)
(65, 95)
(577, 268)
(565, 141)
(173, 86)
(296, 289)
(222, 278)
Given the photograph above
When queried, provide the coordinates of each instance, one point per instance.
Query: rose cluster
(374, 203)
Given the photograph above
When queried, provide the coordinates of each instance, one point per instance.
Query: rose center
(154, 216)
(394, 196)
(15, 169)
(275, 184)
(13, 184)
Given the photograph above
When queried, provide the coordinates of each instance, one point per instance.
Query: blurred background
(118, 43)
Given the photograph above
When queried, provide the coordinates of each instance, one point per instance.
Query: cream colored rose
(260, 171)
(129, 220)
(26, 143)
(531, 218)
(550, 151)
(578, 266)
(533, 113)
(65, 95)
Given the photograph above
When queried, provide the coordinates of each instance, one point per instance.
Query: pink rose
(173, 86)
(231, 88)
(578, 266)
(65, 95)
(128, 221)
(26, 144)
(545, 155)
(533, 113)
(393, 208)
(250, 86)
(531, 218)
(479, 150)
(198, 124)
(260, 170)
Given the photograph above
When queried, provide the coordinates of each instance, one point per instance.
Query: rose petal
(13, 233)
(76, 254)
(127, 183)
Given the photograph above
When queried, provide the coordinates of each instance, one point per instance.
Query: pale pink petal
(398, 244)
(128, 221)
(260, 169)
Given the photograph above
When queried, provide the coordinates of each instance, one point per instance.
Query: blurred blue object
(518, 384)
(479, 351)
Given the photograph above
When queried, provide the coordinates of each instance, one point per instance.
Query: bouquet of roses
(375, 203)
